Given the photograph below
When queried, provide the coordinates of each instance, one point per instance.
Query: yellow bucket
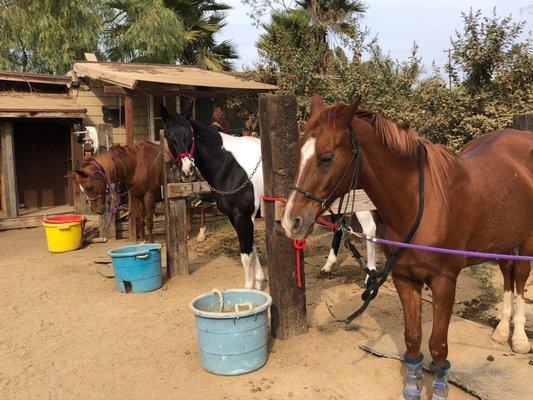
(64, 233)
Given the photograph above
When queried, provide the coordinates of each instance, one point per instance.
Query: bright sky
(398, 23)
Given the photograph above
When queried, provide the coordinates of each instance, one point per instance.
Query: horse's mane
(112, 161)
(400, 140)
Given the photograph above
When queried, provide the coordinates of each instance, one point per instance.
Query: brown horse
(138, 167)
(480, 200)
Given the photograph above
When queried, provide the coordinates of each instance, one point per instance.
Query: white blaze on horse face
(307, 152)
(186, 166)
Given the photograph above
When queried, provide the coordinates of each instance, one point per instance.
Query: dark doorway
(43, 158)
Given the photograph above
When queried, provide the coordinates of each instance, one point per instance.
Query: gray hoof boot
(440, 380)
(413, 378)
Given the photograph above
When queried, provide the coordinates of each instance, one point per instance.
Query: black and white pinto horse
(226, 162)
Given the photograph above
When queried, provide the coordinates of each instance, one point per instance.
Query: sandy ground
(66, 333)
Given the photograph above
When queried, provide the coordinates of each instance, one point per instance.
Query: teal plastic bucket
(234, 341)
(137, 267)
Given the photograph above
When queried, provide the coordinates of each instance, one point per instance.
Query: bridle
(325, 201)
(375, 279)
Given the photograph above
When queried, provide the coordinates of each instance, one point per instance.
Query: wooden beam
(523, 122)
(21, 222)
(37, 114)
(176, 190)
(128, 118)
(277, 119)
(115, 90)
(162, 90)
(175, 215)
(9, 171)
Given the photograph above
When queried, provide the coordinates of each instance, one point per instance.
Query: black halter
(375, 279)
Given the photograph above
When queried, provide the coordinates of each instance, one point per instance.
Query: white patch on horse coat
(369, 228)
(307, 152)
(248, 270)
(247, 152)
(186, 165)
(332, 258)
(502, 331)
(257, 270)
(519, 340)
(82, 189)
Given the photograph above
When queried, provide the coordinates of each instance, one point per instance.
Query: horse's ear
(348, 113)
(317, 104)
(163, 113)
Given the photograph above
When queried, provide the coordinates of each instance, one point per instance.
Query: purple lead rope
(464, 253)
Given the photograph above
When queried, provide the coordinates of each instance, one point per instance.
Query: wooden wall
(94, 98)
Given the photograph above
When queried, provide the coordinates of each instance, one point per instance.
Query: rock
(490, 358)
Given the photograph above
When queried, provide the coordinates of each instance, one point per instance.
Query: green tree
(202, 21)
(142, 31)
(45, 36)
(166, 31)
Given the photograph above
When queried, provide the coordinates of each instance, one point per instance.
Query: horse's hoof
(521, 346)
(200, 238)
(500, 336)
(323, 274)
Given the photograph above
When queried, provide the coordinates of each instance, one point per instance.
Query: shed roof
(39, 105)
(128, 75)
(35, 78)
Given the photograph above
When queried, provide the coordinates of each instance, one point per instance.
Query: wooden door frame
(9, 172)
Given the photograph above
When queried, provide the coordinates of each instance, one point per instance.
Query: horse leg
(369, 228)
(410, 293)
(140, 219)
(201, 234)
(332, 257)
(502, 331)
(443, 289)
(522, 269)
(245, 232)
(259, 276)
(149, 211)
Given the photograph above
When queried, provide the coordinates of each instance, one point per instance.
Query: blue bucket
(137, 267)
(234, 341)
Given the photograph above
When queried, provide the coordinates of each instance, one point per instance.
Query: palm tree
(168, 31)
(203, 20)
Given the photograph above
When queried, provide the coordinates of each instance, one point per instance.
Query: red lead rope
(299, 244)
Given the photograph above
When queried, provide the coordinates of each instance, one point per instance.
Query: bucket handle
(243, 306)
(142, 256)
(63, 227)
(218, 292)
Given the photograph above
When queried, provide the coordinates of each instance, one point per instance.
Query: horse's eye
(89, 188)
(326, 159)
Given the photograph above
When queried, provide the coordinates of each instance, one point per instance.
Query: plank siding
(93, 100)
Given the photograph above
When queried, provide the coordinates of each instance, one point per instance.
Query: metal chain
(239, 188)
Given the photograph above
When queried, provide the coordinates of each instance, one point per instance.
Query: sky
(397, 24)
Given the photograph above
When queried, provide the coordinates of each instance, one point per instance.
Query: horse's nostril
(296, 224)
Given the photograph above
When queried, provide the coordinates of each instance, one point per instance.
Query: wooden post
(175, 216)
(128, 124)
(523, 122)
(107, 223)
(279, 136)
(9, 170)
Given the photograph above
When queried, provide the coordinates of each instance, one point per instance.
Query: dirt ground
(66, 333)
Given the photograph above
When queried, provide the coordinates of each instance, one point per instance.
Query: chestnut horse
(480, 200)
(138, 167)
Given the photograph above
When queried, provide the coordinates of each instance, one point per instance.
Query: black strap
(377, 279)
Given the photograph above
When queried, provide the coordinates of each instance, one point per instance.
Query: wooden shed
(37, 116)
(135, 92)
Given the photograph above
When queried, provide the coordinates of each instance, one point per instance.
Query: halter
(325, 200)
(189, 154)
(109, 190)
